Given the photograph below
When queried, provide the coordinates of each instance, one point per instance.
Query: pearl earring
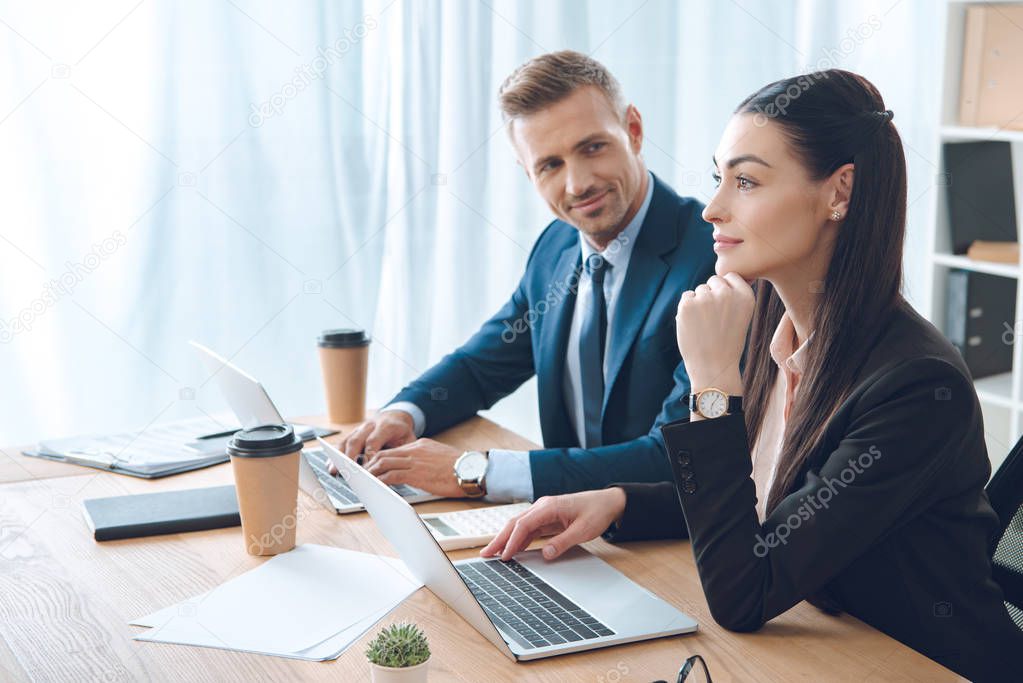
(835, 215)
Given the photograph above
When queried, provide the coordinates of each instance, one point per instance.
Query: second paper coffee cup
(265, 464)
(344, 359)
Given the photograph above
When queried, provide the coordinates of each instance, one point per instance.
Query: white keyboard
(470, 528)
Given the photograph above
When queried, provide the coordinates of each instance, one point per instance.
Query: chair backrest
(1006, 493)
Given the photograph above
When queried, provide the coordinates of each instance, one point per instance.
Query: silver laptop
(252, 406)
(528, 608)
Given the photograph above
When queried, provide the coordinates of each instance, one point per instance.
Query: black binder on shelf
(980, 193)
(169, 512)
(980, 320)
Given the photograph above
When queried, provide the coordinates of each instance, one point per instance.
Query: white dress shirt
(791, 361)
(509, 477)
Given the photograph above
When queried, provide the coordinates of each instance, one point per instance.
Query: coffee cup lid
(264, 441)
(342, 338)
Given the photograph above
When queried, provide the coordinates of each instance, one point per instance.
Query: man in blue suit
(593, 316)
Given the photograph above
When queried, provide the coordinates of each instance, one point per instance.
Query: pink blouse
(791, 362)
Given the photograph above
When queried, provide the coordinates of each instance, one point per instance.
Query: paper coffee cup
(265, 464)
(344, 359)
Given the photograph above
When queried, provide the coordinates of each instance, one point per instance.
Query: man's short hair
(550, 78)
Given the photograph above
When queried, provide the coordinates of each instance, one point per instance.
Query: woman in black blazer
(872, 494)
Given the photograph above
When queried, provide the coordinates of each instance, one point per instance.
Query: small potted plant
(399, 654)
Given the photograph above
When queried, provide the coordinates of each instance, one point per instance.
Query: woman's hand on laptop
(386, 429)
(575, 518)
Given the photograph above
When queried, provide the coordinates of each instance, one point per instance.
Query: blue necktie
(591, 351)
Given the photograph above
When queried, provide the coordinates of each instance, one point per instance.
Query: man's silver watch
(471, 473)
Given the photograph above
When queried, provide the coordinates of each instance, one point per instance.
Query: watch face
(712, 403)
(472, 467)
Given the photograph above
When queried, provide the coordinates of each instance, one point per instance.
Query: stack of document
(310, 603)
(157, 451)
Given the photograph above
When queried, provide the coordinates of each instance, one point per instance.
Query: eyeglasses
(700, 675)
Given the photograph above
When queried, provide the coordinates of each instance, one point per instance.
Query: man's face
(585, 161)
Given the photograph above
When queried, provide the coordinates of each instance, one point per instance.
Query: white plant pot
(390, 674)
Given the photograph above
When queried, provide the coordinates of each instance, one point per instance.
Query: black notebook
(170, 512)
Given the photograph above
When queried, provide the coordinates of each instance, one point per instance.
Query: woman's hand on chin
(574, 517)
(711, 326)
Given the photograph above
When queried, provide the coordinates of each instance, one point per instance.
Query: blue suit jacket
(645, 376)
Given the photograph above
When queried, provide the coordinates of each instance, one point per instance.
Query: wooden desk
(65, 600)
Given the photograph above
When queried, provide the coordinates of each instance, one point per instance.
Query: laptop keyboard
(524, 605)
(336, 486)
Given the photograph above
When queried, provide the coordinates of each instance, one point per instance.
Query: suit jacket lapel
(643, 279)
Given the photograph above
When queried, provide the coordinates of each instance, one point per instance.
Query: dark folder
(170, 512)
(980, 319)
(980, 193)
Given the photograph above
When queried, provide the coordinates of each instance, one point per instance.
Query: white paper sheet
(309, 603)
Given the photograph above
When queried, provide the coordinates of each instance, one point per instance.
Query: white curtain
(249, 173)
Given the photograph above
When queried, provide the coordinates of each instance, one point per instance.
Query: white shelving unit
(1001, 396)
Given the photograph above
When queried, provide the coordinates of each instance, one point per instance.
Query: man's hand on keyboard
(575, 518)
(386, 429)
(424, 463)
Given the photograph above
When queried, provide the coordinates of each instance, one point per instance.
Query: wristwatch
(711, 403)
(471, 473)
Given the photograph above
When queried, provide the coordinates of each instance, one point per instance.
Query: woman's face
(770, 218)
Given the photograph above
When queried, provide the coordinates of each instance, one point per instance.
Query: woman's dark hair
(831, 118)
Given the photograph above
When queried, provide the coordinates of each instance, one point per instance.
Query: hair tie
(887, 114)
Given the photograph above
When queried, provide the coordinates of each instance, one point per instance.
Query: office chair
(1006, 493)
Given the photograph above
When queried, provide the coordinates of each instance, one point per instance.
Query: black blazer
(888, 521)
